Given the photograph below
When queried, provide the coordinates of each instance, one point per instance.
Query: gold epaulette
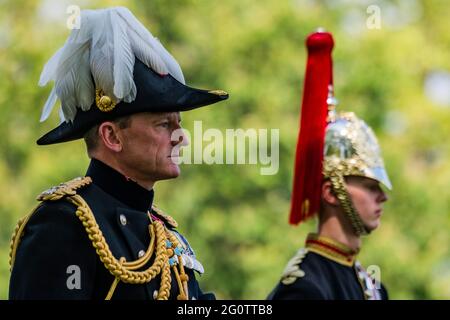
(171, 221)
(292, 270)
(54, 193)
(68, 188)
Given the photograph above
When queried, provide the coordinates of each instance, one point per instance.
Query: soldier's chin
(373, 225)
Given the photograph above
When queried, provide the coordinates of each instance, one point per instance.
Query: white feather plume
(73, 83)
(61, 116)
(138, 31)
(103, 52)
(50, 67)
(102, 55)
(146, 53)
(124, 87)
(49, 105)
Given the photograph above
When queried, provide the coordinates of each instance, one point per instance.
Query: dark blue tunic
(54, 240)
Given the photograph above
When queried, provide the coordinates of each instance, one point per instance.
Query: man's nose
(185, 141)
(182, 138)
(383, 196)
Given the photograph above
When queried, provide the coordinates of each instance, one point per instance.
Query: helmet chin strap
(338, 183)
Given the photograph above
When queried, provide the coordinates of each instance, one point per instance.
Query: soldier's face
(367, 197)
(147, 146)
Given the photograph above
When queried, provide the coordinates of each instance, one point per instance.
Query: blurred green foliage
(235, 218)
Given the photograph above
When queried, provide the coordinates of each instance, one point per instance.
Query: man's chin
(170, 174)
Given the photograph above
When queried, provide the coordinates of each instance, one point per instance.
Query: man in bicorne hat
(338, 174)
(100, 236)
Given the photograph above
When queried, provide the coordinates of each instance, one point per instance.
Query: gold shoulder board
(68, 188)
(171, 221)
(54, 193)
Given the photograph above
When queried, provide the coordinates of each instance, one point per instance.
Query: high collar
(331, 249)
(119, 186)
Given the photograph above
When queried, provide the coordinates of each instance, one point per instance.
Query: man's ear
(328, 194)
(109, 135)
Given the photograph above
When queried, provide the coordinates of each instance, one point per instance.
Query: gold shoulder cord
(168, 249)
(17, 236)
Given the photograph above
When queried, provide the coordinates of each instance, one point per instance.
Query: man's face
(147, 146)
(367, 197)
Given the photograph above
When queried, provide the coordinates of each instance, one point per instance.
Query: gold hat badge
(103, 102)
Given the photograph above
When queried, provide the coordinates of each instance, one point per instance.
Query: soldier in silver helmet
(349, 202)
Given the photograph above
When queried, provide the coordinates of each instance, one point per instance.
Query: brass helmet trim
(338, 184)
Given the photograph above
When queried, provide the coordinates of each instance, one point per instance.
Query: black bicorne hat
(110, 67)
(155, 93)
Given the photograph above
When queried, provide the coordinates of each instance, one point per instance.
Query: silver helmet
(351, 149)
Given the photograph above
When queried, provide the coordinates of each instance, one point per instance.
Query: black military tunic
(326, 270)
(55, 244)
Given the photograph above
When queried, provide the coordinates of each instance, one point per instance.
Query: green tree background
(235, 218)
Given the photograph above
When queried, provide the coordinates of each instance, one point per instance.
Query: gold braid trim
(115, 267)
(166, 279)
(331, 249)
(338, 183)
(182, 295)
(137, 264)
(121, 269)
(112, 289)
(181, 276)
(17, 236)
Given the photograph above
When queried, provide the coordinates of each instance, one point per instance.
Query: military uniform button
(141, 253)
(155, 294)
(123, 219)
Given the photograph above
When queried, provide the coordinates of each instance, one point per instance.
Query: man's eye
(164, 124)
